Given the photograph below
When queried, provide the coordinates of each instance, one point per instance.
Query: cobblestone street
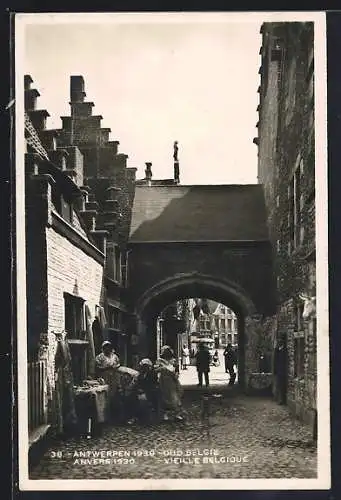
(242, 437)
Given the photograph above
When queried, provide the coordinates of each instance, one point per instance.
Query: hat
(146, 362)
(106, 343)
(166, 348)
(166, 352)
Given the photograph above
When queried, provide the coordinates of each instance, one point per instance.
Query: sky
(155, 83)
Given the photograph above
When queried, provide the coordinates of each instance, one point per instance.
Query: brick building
(109, 194)
(287, 171)
(64, 262)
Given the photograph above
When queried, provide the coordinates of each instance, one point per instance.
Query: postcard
(171, 251)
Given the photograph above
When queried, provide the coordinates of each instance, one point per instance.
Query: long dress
(185, 356)
(169, 386)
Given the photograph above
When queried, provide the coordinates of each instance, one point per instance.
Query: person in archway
(185, 357)
(230, 361)
(216, 358)
(281, 371)
(169, 385)
(202, 361)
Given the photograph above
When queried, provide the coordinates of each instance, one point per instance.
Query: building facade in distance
(225, 326)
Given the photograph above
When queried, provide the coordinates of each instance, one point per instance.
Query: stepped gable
(63, 163)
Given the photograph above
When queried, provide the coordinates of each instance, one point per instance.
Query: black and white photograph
(172, 252)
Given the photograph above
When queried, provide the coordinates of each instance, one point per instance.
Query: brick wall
(75, 161)
(67, 265)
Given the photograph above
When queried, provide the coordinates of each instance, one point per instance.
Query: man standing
(203, 364)
(281, 371)
(230, 361)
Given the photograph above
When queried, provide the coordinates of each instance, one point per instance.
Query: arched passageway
(182, 286)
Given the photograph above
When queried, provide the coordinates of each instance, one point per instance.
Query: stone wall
(301, 389)
(249, 267)
(286, 149)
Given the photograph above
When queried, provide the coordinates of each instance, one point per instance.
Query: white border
(323, 479)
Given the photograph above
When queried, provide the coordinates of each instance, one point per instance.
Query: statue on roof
(176, 149)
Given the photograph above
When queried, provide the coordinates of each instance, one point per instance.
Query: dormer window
(56, 200)
(66, 210)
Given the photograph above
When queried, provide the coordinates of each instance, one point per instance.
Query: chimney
(176, 163)
(77, 93)
(31, 99)
(27, 82)
(148, 173)
(38, 118)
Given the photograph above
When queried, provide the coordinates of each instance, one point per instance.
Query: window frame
(79, 321)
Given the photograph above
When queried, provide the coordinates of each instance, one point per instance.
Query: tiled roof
(198, 213)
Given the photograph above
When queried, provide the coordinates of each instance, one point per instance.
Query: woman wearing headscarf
(107, 363)
(169, 385)
(144, 397)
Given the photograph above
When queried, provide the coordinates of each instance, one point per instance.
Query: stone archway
(153, 300)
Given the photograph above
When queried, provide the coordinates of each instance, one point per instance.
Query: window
(66, 210)
(229, 324)
(113, 262)
(124, 269)
(75, 328)
(118, 274)
(298, 321)
(296, 204)
(291, 92)
(114, 318)
(74, 316)
(57, 200)
(223, 324)
(299, 345)
(291, 216)
(229, 338)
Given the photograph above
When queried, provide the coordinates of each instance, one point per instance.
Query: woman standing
(185, 357)
(107, 363)
(169, 385)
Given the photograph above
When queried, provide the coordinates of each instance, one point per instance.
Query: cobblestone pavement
(242, 437)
